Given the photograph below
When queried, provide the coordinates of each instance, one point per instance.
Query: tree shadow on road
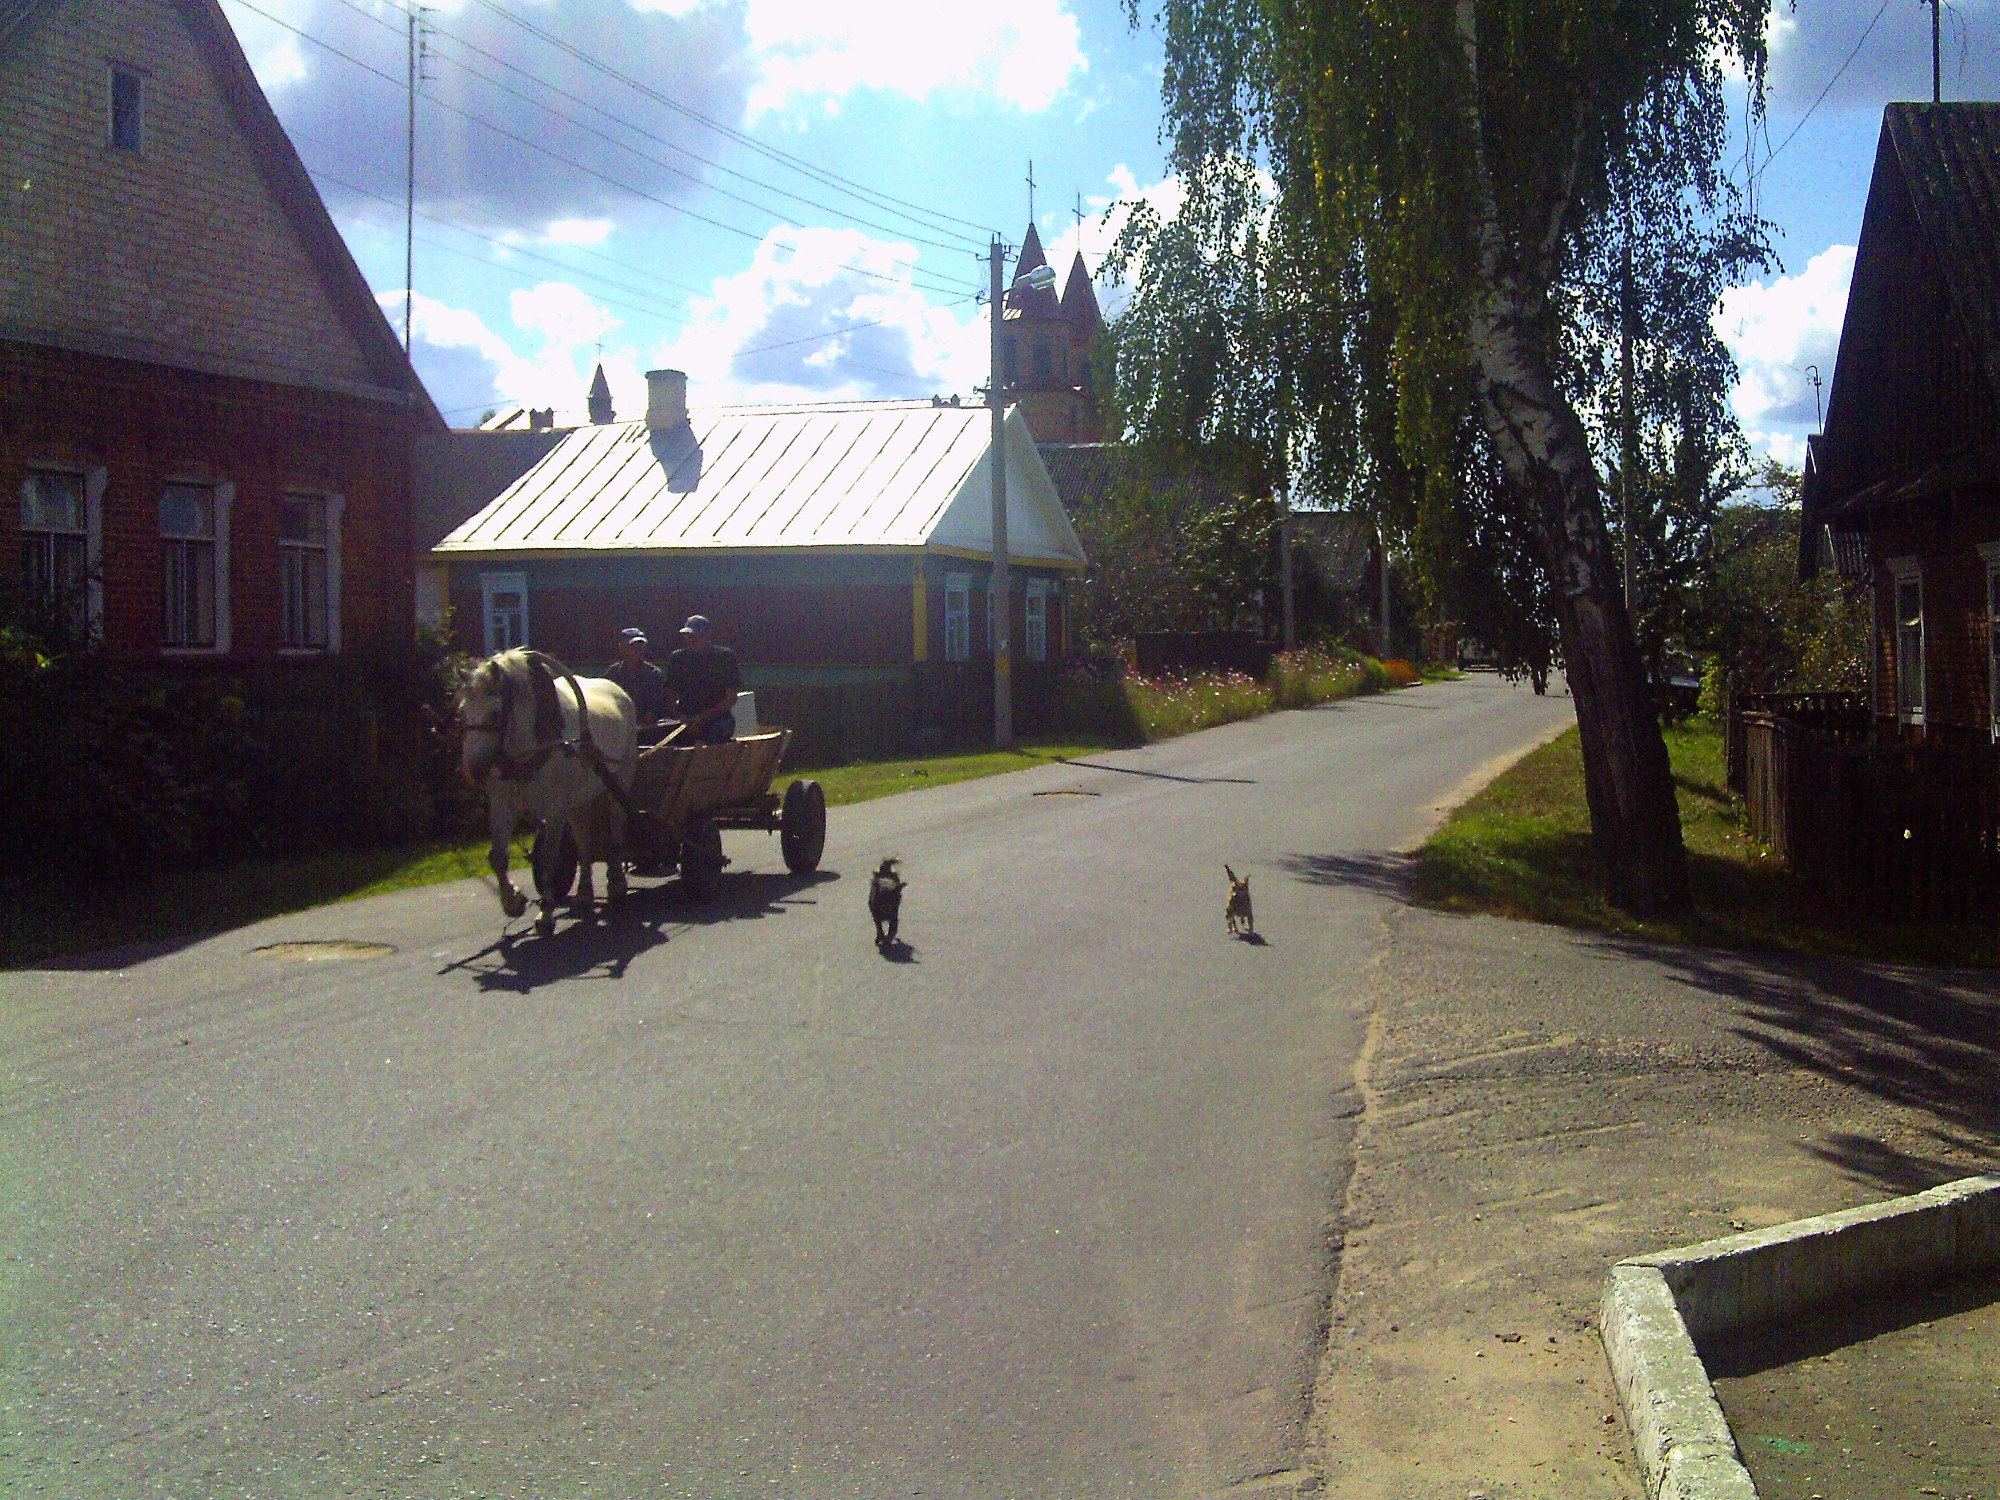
(1924, 1040)
(1381, 873)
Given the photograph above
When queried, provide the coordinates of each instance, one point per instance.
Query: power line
(823, 175)
(572, 163)
(1838, 75)
(354, 5)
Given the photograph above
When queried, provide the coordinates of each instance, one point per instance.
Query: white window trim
(494, 583)
(1038, 588)
(95, 478)
(1904, 570)
(959, 585)
(224, 492)
(335, 505)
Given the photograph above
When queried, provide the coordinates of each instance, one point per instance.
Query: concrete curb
(1656, 1306)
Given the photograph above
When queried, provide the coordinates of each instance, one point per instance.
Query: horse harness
(548, 719)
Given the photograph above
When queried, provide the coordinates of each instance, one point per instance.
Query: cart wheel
(562, 874)
(802, 826)
(701, 859)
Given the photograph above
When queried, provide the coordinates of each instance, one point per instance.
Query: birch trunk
(1634, 818)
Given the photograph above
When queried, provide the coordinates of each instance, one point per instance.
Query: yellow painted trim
(581, 554)
(1064, 564)
(920, 614)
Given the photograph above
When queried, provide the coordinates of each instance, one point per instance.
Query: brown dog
(1236, 912)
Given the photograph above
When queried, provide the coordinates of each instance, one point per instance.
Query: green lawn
(1521, 848)
(37, 925)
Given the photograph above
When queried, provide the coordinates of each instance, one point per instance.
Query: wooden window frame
(958, 619)
(1911, 708)
(1035, 621)
(490, 585)
(328, 550)
(93, 480)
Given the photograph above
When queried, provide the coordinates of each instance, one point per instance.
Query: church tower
(1045, 350)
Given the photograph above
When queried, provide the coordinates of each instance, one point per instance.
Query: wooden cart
(684, 796)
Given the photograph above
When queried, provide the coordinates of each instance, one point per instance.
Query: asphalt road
(714, 1200)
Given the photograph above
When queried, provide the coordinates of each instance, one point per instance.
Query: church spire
(1079, 299)
(600, 398)
(1028, 301)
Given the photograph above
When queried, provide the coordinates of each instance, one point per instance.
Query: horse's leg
(548, 850)
(500, 828)
(614, 852)
(584, 829)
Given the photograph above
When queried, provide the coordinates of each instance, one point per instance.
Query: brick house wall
(181, 251)
(145, 424)
(1944, 537)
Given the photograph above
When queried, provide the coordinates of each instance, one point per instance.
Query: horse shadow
(599, 945)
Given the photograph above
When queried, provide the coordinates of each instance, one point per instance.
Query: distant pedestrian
(705, 679)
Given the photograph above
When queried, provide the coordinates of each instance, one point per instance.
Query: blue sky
(789, 198)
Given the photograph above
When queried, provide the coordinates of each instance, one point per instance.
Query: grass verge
(1521, 848)
(183, 904)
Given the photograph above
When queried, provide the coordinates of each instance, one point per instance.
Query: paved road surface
(714, 1201)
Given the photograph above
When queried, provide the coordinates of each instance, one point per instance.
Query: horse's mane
(514, 664)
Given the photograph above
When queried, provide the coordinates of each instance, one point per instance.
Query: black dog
(885, 901)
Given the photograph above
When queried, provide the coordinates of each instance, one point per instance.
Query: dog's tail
(1230, 873)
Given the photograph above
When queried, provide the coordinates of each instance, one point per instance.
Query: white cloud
(468, 367)
(802, 323)
(562, 314)
(1811, 44)
(1775, 332)
(1023, 54)
(578, 232)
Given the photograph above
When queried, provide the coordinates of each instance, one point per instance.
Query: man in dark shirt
(644, 683)
(704, 679)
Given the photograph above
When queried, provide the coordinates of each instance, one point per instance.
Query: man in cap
(704, 679)
(644, 683)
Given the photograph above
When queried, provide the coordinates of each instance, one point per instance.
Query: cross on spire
(1031, 190)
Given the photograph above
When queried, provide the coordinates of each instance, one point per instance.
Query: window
(1011, 361)
(1909, 599)
(1991, 553)
(188, 592)
(309, 572)
(1045, 365)
(505, 597)
(128, 110)
(1037, 617)
(958, 617)
(55, 549)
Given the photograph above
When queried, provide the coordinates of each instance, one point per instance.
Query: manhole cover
(325, 951)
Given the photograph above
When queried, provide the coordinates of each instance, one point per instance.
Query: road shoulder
(1540, 1103)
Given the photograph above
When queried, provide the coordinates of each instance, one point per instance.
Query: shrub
(1106, 699)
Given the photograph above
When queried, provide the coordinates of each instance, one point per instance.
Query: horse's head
(485, 716)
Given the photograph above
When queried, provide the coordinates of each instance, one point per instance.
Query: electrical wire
(823, 175)
(571, 162)
(960, 246)
(1838, 75)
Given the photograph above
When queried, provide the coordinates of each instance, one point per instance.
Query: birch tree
(1448, 176)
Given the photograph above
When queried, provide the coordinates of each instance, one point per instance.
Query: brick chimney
(666, 400)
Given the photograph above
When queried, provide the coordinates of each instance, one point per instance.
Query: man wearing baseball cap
(704, 679)
(644, 683)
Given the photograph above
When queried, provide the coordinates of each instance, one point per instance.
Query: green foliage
(1131, 709)
(1768, 631)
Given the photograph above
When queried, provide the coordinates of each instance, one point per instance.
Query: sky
(791, 199)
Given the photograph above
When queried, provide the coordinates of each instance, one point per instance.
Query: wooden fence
(1903, 833)
(1844, 716)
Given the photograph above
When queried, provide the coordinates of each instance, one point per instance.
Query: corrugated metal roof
(879, 474)
(1950, 156)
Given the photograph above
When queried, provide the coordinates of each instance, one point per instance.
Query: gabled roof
(287, 180)
(1079, 299)
(877, 476)
(1031, 301)
(1950, 158)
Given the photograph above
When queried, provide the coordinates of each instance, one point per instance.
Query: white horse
(531, 734)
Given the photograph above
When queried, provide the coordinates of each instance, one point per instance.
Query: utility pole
(410, 175)
(1285, 565)
(1937, 56)
(1628, 437)
(999, 590)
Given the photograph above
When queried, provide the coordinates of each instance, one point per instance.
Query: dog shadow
(1252, 939)
(896, 951)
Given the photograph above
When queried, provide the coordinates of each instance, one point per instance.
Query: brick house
(204, 416)
(1045, 350)
(842, 551)
(1903, 487)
